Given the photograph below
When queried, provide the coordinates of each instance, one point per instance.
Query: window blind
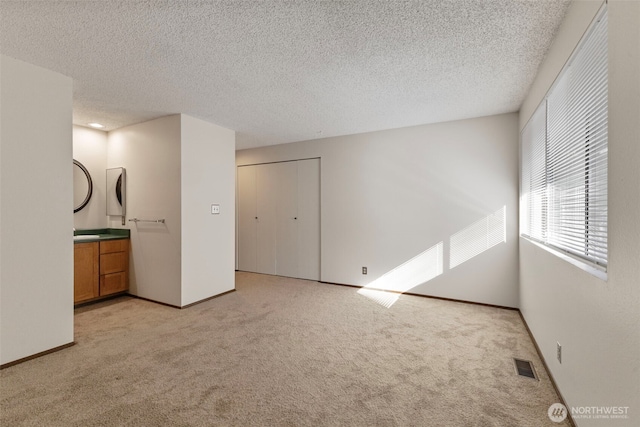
(564, 156)
(534, 178)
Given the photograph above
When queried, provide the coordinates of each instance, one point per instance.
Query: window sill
(581, 264)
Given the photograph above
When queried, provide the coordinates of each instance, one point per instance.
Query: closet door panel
(287, 219)
(266, 192)
(247, 218)
(309, 219)
(279, 218)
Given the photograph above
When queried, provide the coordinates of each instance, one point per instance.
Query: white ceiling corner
(281, 71)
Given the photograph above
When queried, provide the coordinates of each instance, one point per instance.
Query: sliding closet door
(286, 196)
(266, 190)
(247, 213)
(308, 219)
(279, 218)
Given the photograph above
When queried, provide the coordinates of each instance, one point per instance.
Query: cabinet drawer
(113, 283)
(114, 262)
(109, 246)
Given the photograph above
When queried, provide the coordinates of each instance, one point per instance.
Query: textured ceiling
(283, 71)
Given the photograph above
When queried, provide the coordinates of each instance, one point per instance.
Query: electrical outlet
(559, 352)
(215, 209)
(364, 270)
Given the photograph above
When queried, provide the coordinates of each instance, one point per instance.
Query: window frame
(592, 260)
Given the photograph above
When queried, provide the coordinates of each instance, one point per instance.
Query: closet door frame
(303, 221)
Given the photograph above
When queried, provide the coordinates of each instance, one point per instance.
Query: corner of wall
(150, 153)
(208, 178)
(36, 279)
(595, 321)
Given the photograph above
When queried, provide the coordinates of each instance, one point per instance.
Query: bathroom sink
(86, 237)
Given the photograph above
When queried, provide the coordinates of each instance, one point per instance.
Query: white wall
(388, 196)
(150, 153)
(207, 177)
(597, 322)
(90, 149)
(177, 166)
(36, 210)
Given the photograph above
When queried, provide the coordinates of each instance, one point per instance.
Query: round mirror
(82, 186)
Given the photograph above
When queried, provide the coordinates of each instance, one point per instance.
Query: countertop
(102, 234)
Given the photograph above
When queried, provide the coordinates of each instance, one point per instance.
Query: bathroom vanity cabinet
(86, 263)
(114, 266)
(101, 268)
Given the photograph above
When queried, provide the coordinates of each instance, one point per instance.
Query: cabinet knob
(256, 217)
(295, 217)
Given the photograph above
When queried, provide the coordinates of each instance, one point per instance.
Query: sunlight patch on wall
(418, 270)
(478, 237)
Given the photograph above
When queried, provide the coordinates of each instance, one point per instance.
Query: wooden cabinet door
(85, 271)
(113, 283)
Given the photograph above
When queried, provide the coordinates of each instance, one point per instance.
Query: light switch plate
(215, 209)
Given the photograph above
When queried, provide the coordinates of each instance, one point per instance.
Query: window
(563, 194)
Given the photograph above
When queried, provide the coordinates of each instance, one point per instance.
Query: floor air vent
(524, 368)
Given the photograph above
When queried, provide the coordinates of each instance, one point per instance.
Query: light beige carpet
(283, 352)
